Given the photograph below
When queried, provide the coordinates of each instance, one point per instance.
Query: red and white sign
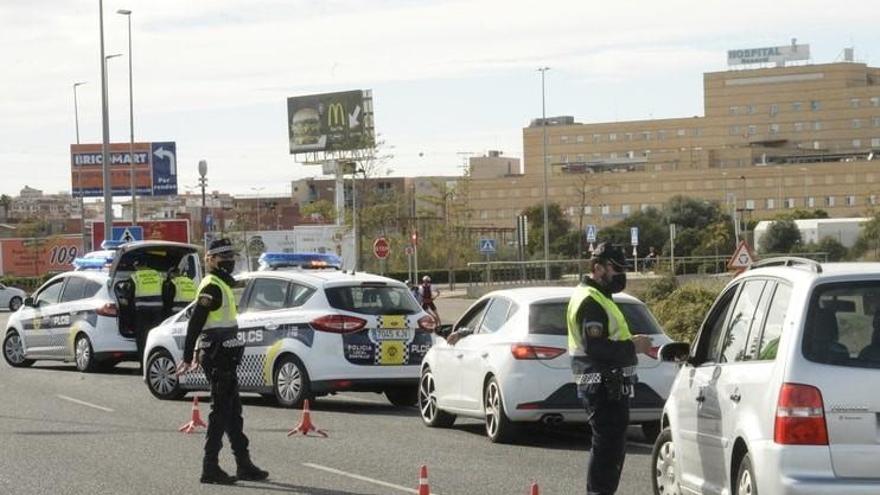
(742, 258)
(34, 257)
(381, 248)
(408, 250)
(176, 230)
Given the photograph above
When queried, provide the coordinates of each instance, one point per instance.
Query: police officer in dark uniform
(603, 359)
(213, 323)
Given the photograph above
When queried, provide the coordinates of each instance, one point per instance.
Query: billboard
(37, 256)
(770, 54)
(155, 169)
(165, 230)
(330, 122)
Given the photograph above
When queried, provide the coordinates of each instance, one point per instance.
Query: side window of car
(267, 294)
(713, 328)
(496, 315)
(90, 289)
(298, 295)
(73, 289)
(50, 294)
(769, 340)
(734, 347)
(472, 318)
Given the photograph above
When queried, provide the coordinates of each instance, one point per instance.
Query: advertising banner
(155, 169)
(176, 230)
(330, 122)
(37, 256)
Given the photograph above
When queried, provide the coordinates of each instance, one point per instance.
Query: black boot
(246, 470)
(211, 473)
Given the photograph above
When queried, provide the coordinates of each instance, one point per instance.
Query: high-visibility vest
(225, 316)
(184, 289)
(618, 329)
(147, 284)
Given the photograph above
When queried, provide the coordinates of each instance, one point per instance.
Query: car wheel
(403, 396)
(432, 415)
(663, 462)
(651, 431)
(13, 351)
(291, 382)
(83, 354)
(499, 428)
(162, 376)
(746, 484)
(14, 304)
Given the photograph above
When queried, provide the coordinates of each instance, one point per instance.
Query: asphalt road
(65, 432)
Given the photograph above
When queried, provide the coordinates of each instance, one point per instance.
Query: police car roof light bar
(92, 263)
(275, 261)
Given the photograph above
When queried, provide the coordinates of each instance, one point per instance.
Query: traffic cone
(196, 421)
(535, 490)
(305, 425)
(424, 489)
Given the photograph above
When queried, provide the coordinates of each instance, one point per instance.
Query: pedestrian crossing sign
(487, 245)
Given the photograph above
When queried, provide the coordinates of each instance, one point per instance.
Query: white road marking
(363, 478)
(349, 398)
(84, 403)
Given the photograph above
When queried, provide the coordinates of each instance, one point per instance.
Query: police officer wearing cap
(213, 323)
(603, 358)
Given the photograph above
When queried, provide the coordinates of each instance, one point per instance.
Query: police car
(310, 329)
(74, 316)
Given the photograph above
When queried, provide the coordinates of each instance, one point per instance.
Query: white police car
(309, 329)
(75, 315)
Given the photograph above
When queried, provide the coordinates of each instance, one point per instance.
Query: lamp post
(543, 70)
(105, 143)
(804, 170)
(257, 191)
(745, 226)
(127, 13)
(82, 209)
(108, 181)
(203, 183)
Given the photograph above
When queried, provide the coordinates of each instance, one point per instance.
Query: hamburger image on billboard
(305, 130)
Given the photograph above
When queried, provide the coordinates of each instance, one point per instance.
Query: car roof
(807, 273)
(529, 295)
(325, 277)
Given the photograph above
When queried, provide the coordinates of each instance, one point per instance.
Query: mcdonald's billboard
(330, 122)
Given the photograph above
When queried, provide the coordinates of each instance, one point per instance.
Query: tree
(801, 214)
(653, 230)
(781, 237)
(558, 225)
(868, 244)
(836, 251)
(681, 312)
(694, 213)
(322, 210)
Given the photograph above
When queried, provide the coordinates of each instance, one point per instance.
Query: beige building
(771, 139)
(493, 164)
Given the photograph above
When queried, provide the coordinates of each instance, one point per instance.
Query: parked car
(778, 394)
(11, 297)
(74, 316)
(309, 330)
(515, 367)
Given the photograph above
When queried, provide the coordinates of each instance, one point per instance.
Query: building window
(770, 203)
(829, 201)
(856, 123)
(854, 103)
(734, 130)
(597, 138)
(750, 204)
(817, 125)
(661, 135)
(753, 129)
(563, 158)
(796, 106)
(872, 200)
(696, 132)
(628, 136)
(680, 133)
(815, 105)
(751, 109)
(875, 142)
(850, 201)
(731, 110)
(774, 109)
(789, 203)
(875, 101)
(606, 210)
(588, 210)
(612, 155)
(597, 156)
(563, 139)
(580, 139)
(817, 145)
(857, 143)
(798, 126)
(876, 121)
(612, 137)
(774, 128)
(811, 202)
(646, 135)
(580, 157)
(625, 209)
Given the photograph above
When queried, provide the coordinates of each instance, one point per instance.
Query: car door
(472, 353)
(37, 321)
(65, 314)
(264, 314)
(447, 365)
(5, 296)
(696, 416)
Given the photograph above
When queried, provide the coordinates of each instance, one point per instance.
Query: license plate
(392, 334)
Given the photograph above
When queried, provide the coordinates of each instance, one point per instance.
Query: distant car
(778, 394)
(11, 297)
(516, 368)
(75, 315)
(309, 330)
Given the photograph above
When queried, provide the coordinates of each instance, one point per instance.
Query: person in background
(428, 294)
(178, 291)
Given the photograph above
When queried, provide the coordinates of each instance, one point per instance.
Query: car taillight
(652, 352)
(800, 416)
(108, 309)
(525, 351)
(428, 323)
(338, 324)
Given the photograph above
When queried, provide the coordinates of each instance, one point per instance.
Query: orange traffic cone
(305, 425)
(535, 490)
(424, 489)
(196, 421)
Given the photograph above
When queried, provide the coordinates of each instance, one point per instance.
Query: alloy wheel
(161, 375)
(427, 397)
(745, 486)
(290, 382)
(493, 409)
(14, 349)
(664, 470)
(83, 353)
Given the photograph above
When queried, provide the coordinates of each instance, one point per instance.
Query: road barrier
(305, 426)
(196, 419)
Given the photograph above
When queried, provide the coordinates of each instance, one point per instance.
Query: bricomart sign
(155, 169)
(770, 54)
(330, 122)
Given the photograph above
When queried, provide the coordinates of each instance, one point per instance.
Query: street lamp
(105, 142)
(203, 182)
(543, 71)
(127, 13)
(804, 170)
(257, 190)
(82, 210)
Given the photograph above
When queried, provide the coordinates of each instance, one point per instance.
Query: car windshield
(843, 325)
(372, 299)
(549, 318)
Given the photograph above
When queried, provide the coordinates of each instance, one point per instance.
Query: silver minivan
(779, 393)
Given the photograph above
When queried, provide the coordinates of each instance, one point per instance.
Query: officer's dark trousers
(220, 365)
(608, 420)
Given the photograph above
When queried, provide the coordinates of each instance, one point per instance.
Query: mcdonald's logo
(335, 115)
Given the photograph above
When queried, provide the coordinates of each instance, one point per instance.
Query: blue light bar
(92, 263)
(274, 261)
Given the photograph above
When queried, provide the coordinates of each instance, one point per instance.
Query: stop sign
(381, 248)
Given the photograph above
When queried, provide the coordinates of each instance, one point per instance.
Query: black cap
(220, 246)
(607, 253)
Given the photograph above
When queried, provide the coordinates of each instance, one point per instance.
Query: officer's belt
(591, 378)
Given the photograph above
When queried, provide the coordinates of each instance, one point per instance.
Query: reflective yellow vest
(618, 329)
(184, 289)
(147, 283)
(225, 315)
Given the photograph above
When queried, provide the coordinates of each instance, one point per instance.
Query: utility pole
(543, 70)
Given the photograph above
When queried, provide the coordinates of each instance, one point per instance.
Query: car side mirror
(29, 302)
(677, 352)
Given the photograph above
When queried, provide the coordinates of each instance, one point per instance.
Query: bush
(659, 289)
(27, 284)
(681, 312)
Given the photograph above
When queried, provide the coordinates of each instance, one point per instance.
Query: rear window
(549, 319)
(372, 300)
(843, 325)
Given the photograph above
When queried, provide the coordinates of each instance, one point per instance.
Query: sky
(448, 77)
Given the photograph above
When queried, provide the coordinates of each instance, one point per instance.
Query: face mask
(617, 283)
(227, 266)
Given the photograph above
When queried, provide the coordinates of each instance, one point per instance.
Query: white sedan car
(309, 332)
(515, 367)
(11, 297)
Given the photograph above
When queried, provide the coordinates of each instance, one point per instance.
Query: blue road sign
(634, 236)
(487, 246)
(128, 234)
(164, 168)
(591, 233)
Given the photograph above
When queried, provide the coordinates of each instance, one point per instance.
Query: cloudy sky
(447, 76)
